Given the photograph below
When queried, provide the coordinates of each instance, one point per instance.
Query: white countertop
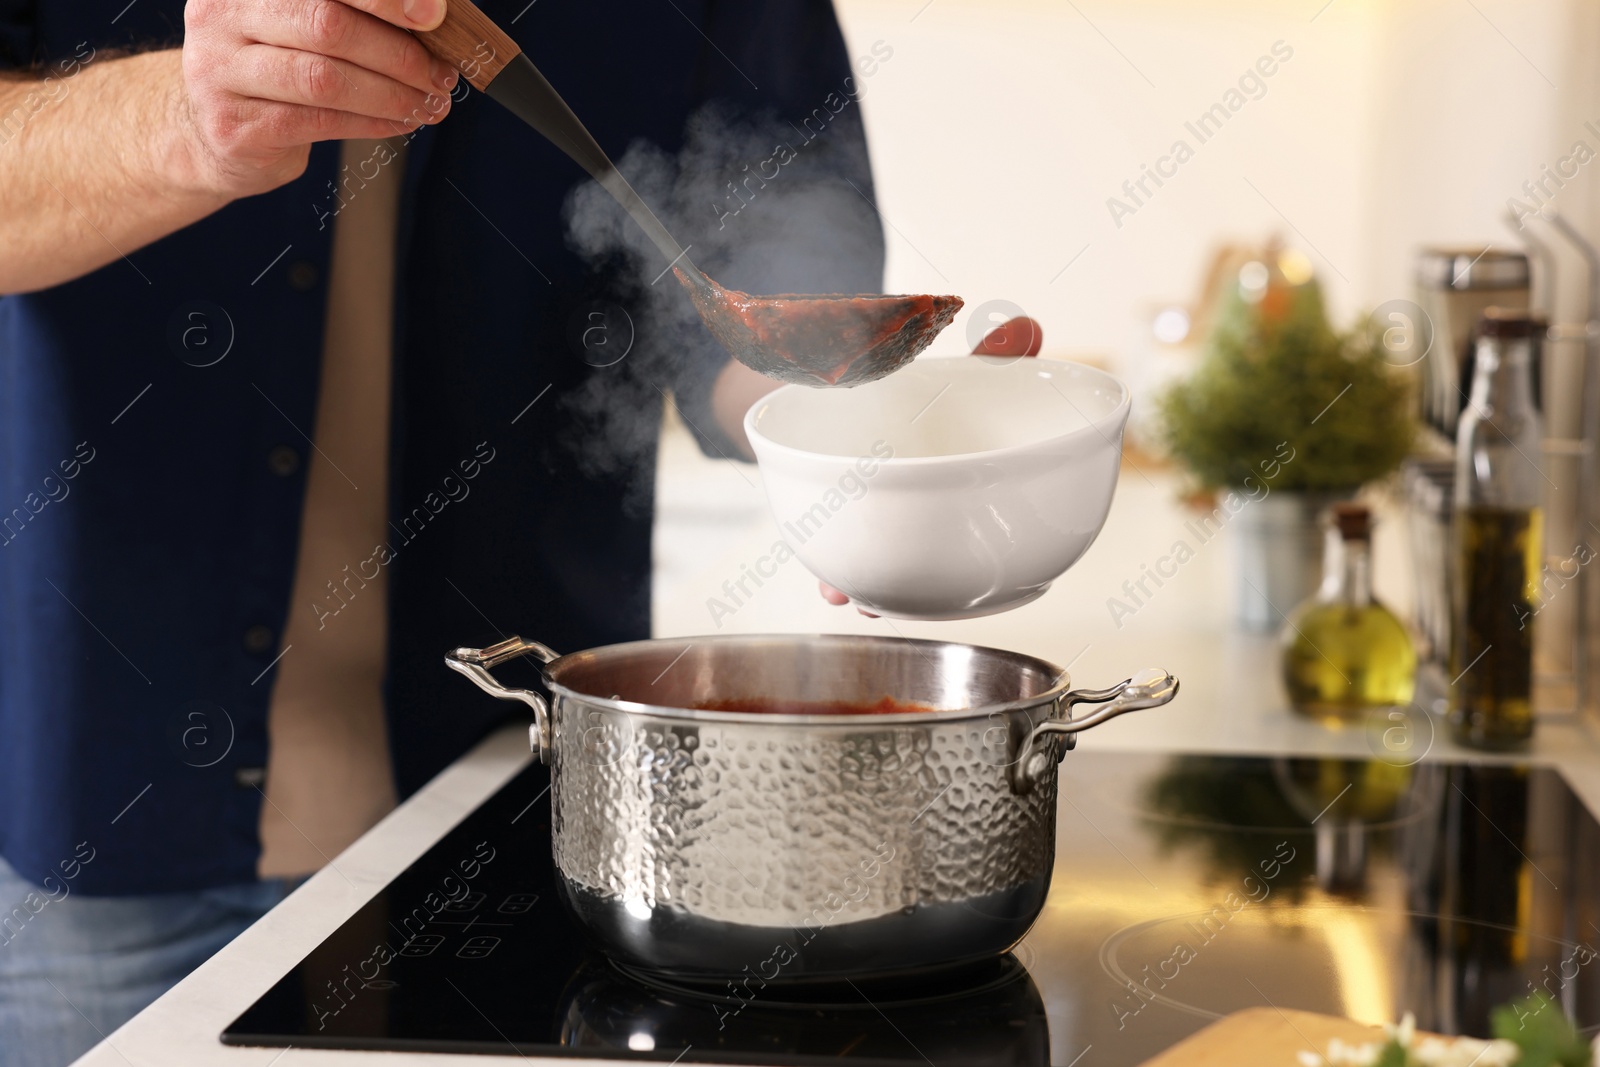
(1230, 702)
(180, 1029)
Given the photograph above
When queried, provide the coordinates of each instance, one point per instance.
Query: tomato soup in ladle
(819, 340)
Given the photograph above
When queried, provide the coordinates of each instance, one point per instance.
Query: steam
(764, 205)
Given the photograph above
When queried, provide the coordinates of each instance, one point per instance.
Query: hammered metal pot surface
(765, 847)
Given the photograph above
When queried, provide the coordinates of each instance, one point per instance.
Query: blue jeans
(76, 968)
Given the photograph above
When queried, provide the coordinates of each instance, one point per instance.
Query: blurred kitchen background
(999, 133)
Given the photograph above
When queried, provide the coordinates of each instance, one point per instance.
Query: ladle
(819, 340)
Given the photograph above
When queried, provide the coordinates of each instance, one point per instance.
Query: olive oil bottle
(1499, 538)
(1344, 653)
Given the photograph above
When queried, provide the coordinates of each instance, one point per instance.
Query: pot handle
(475, 664)
(1149, 688)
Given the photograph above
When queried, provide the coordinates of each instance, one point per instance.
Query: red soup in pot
(766, 706)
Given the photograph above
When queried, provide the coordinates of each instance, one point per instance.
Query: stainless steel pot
(767, 847)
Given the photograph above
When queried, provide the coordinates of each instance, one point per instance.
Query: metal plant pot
(1278, 555)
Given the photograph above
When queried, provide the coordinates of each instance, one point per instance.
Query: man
(289, 406)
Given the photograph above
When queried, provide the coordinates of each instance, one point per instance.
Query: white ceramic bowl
(955, 487)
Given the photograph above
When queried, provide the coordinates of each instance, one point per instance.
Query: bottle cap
(1353, 520)
(1510, 322)
(1472, 268)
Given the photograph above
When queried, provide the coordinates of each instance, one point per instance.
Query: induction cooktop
(1185, 887)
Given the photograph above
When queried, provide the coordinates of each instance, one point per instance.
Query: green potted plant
(1282, 416)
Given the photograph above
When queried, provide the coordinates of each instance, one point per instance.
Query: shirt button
(257, 640)
(283, 460)
(302, 276)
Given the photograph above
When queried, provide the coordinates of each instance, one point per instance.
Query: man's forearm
(93, 165)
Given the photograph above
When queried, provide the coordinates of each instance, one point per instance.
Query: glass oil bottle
(1499, 538)
(1344, 653)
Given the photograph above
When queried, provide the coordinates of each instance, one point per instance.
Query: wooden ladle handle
(469, 40)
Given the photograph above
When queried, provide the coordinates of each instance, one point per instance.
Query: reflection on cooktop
(988, 1013)
(1185, 888)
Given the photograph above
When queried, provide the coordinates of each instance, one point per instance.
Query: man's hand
(103, 156)
(264, 79)
(1020, 336)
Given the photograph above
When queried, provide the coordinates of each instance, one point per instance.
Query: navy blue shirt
(152, 418)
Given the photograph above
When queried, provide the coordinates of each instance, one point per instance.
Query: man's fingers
(407, 14)
(291, 125)
(364, 127)
(264, 79)
(832, 595)
(336, 29)
(1020, 336)
(839, 600)
(289, 76)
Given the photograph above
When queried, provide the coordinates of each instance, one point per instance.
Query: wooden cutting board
(1263, 1037)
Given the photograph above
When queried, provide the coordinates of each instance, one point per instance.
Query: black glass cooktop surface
(1185, 888)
